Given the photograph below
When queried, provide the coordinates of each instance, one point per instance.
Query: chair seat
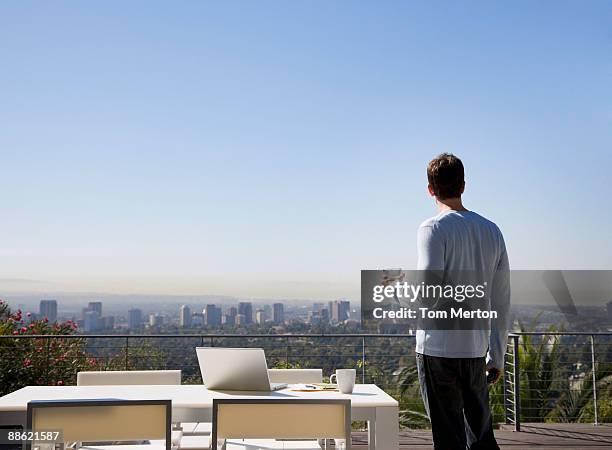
(270, 444)
(194, 443)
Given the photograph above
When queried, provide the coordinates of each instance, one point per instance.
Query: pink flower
(27, 362)
(29, 314)
(15, 332)
(24, 329)
(60, 383)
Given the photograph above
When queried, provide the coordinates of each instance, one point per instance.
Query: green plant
(539, 365)
(40, 360)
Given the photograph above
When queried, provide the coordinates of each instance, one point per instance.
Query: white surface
(184, 396)
(270, 444)
(195, 442)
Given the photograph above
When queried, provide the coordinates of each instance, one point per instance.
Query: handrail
(283, 335)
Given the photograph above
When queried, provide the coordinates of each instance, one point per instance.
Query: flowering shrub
(38, 361)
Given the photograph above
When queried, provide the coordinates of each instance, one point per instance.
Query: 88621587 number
(13, 436)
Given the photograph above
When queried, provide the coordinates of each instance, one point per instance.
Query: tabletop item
(345, 379)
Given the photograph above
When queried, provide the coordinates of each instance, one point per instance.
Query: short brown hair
(445, 176)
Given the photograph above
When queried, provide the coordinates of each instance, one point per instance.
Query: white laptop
(235, 369)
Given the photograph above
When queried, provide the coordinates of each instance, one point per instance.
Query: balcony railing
(556, 376)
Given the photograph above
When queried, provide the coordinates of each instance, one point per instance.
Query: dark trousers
(456, 398)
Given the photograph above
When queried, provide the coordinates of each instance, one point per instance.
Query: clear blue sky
(277, 148)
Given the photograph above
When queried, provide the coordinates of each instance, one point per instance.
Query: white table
(193, 403)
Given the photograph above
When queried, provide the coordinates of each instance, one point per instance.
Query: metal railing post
(48, 372)
(287, 352)
(505, 388)
(517, 385)
(363, 360)
(127, 353)
(593, 371)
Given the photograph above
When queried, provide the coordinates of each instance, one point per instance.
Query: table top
(185, 395)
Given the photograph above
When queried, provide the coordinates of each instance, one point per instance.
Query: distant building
(260, 316)
(48, 309)
(197, 319)
(95, 306)
(91, 321)
(317, 307)
(339, 311)
(344, 310)
(240, 319)
(320, 317)
(278, 315)
(108, 322)
(134, 319)
(267, 309)
(230, 316)
(609, 308)
(185, 317)
(246, 309)
(212, 315)
(156, 320)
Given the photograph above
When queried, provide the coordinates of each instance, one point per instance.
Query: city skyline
(202, 160)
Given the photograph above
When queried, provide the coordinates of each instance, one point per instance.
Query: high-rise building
(278, 313)
(48, 309)
(230, 316)
(197, 319)
(344, 310)
(246, 309)
(185, 316)
(156, 320)
(134, 319)
(240, 319)
(95, 306)
(91, 321)
(267, 309)
(212, 316)
(339, 311)
(609, 307)
(260, 317)
(108, 322)
(317, 307)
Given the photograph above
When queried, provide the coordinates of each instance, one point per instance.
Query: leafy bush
(38, 361)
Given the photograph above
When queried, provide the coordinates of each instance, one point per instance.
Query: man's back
(460, 241)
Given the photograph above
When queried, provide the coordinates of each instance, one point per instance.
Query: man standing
(452, 364)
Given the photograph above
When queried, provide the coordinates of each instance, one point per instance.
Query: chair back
(281, 419)
(295, 376)
(117, 377)
(103, 419)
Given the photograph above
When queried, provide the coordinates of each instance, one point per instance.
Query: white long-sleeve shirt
(466, 241)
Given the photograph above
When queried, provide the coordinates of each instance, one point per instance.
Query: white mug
(345, 379)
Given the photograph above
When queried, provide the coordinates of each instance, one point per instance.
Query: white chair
(117, 377)
(104, 420)
(241, 424)
(145, 377)
(295, 376)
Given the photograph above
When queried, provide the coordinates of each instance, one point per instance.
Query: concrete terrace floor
(540, 436)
